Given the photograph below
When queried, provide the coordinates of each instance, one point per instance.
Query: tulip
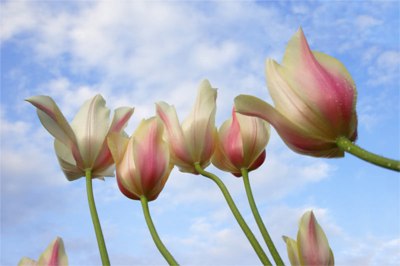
(314, 98)
(311, 247)
(142, 161)
(82, 145)
(241, 144)
(194, 140)
(54, 255)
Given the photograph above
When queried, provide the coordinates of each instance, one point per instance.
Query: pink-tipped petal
(91, 125)
(294, 136)
(312, 243)
(54, 121)
(178, 146)
(54, 255)
(151, 154)
(323, 82)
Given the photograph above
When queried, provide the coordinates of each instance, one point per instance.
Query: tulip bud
(143, 161)
(54, 255)
(82, 144)
(314, 98)
(194, 140)
(241, 144)
(312, 247)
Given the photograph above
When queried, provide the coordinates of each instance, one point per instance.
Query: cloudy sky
(138, 53)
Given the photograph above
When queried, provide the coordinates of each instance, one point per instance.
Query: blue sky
(137, 53)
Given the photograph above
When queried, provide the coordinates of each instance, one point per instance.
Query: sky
(137, 53)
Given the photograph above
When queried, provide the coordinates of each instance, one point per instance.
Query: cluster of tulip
(314, 114)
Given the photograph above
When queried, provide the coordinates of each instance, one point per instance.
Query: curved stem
(163, 250)
(95, 219)
(348, 146)
(277, 258)
(250, 236)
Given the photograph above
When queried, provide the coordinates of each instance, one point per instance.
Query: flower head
(312, 247)
(194, 140)
(241, 144)
(54, 255)
(142, 161)
(82, 144)
(314, 98)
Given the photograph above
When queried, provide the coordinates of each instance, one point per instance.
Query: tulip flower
(143, 167)
(241, 144)
(194, 140)
(54, 255)
(82, 145)
(312, 247)
(314, 98)
(142, 161)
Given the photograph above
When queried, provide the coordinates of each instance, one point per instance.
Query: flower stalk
(161, 247)
(346, 145)
(95, 219)
(235, 211)
(270, 244)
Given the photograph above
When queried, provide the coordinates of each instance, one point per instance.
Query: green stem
(95, 219)
(278, 260)
(250, 236)
(346, 145)
(163, 250)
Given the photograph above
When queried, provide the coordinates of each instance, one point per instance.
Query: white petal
(91, 125)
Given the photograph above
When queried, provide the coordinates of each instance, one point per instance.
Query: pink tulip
(54, 255)
(312, 247)
(143, 161)
(82, 144)
(314, 98)
(194, 140)
(241, 144)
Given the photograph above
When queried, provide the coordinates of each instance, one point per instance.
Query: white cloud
(365, 22)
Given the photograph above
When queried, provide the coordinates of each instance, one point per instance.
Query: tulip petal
(220, 157)
(233, 142)
(27, 262)
(54, 121)
(104, 160)
(151, 154)
(127, 178)
(294, 136)
(321, 80)
(178, 147)
(54, 254)
(199, 127)
(292, 103)
(292, 251)
(91, 125)
(67, 161)
(255, 134)
(312, 243)
(117, 144)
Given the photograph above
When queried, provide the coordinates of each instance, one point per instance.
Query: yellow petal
(292, 250)
(27, 262)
